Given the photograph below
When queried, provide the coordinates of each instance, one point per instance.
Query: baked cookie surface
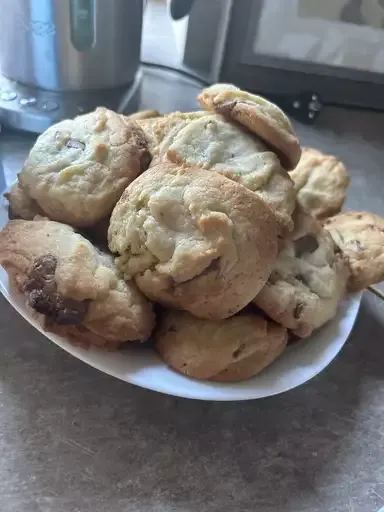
(258, 115)
(228, 350)
(78, 168)
(320, 182)
(193, 239)
(72, 285)
(210, 142)
(360, 235)
(308, 281)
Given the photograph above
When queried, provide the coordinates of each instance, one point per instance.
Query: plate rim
(15, 299)
(65, 345)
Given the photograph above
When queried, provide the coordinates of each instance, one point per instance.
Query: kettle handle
(179, 8)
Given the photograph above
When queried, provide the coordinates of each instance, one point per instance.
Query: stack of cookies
(217, 216)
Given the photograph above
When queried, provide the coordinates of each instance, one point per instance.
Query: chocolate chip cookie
(320, 183)
(74, 287)
(78, 168)
(360, 235)
(228, 350)
(258, 115)
(308, 281)
(193, 239)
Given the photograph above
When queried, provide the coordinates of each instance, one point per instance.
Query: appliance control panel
(34, 110)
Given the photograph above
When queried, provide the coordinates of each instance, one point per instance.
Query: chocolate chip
(238, 351)
(68, 316)
(43, 297)
(306, 244)
(44, 267)
(226, 108)
(76, 144)
(40, 302)
(298, 310)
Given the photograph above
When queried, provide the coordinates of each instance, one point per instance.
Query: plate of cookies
(200, 254)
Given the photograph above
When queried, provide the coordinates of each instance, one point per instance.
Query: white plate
(141, 366)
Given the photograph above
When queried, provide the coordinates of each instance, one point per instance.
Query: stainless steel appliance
(59, 58)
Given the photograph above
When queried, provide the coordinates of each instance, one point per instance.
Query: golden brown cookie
(228, 350)
(210, 142)
(20, 205)
(193, 239)
(207, 140)
(360, 235)
(308, 281)
(78, 168)
(320, 182)
(258, 115)
(72, 285)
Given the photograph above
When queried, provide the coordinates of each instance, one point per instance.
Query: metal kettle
(67, 45)
(59, 58)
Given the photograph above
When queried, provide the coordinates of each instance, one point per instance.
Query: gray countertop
(75, 440)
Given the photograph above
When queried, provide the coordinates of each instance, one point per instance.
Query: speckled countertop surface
(75, 440)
